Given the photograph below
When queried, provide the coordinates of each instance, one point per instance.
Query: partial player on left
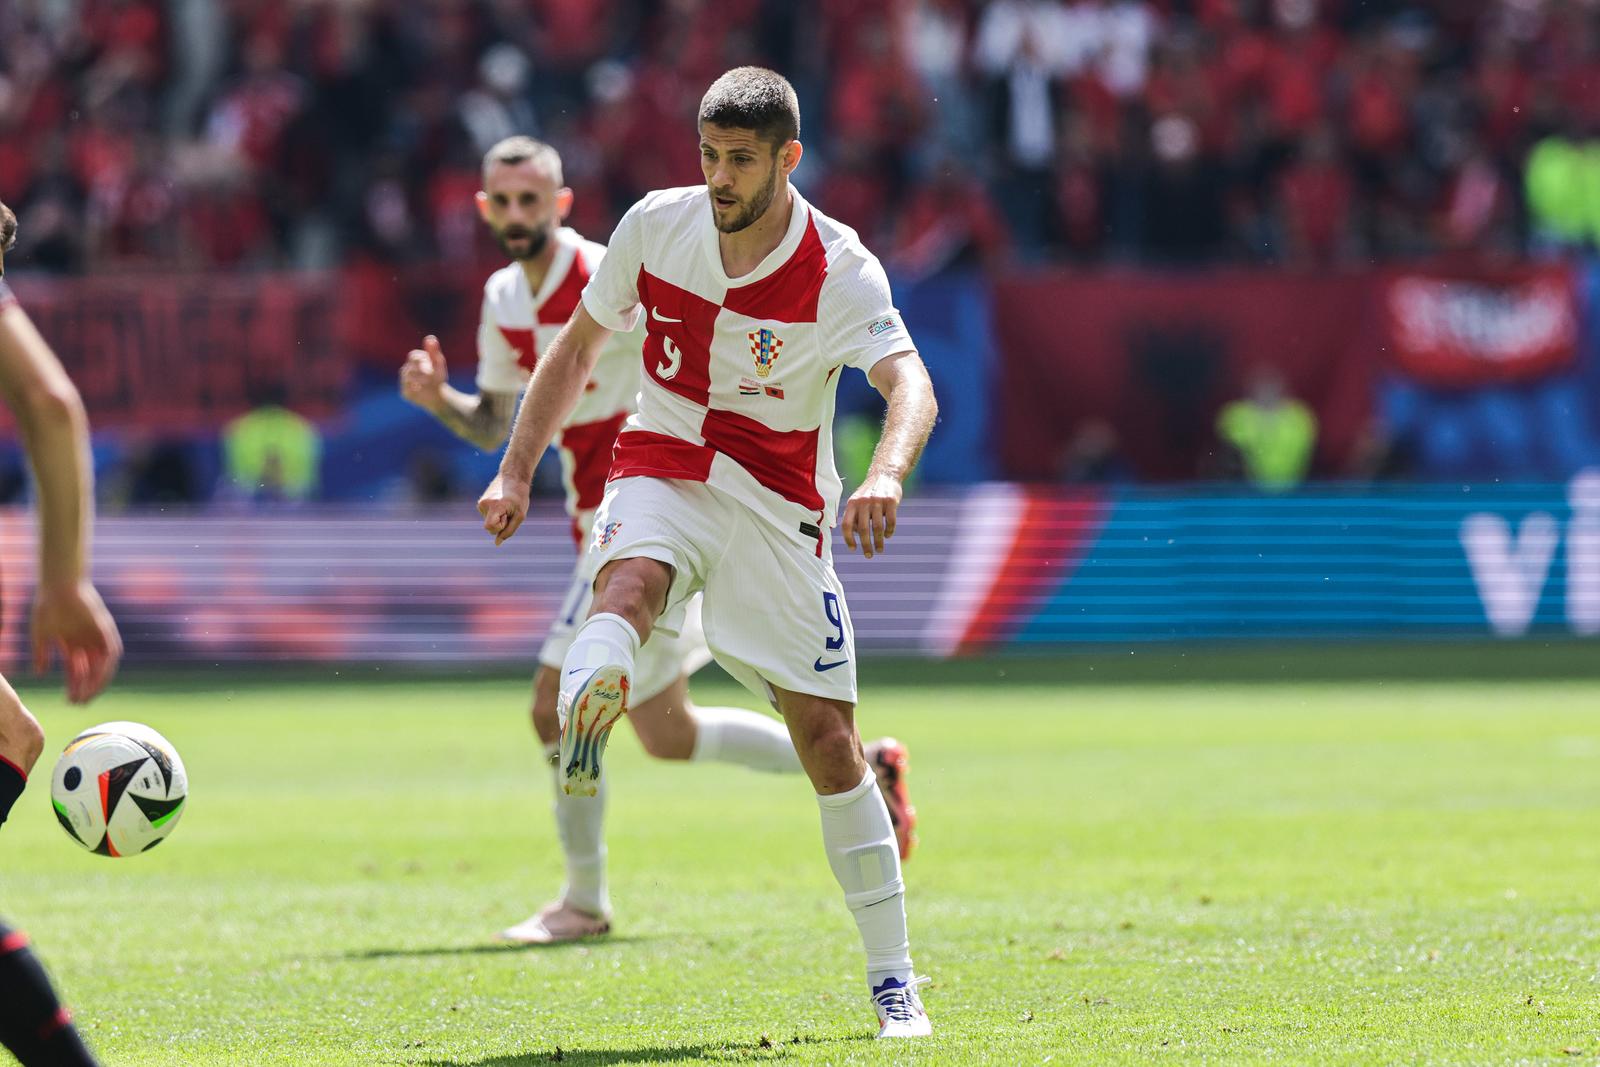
(69, 620)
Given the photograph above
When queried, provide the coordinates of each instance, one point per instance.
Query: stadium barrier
(1472, 372)
(994, 568)
(1042, 570)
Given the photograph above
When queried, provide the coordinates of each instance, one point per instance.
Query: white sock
(603, 639)
(748, 738)
(580, 824)
(865, 858)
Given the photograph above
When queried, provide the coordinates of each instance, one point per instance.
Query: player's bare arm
(869, 516)
(553, 392)
(69, 618)
(480, 419)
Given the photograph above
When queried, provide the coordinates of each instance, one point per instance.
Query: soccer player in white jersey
(524, 305)
(723, 480)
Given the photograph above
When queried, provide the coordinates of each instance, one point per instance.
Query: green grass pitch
(1265, 871)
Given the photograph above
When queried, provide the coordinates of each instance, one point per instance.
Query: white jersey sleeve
(860, 324)
(612, 295)
(498, 371)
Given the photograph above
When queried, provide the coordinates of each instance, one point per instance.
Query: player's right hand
(503, 506)
(72, 621)
(423, 375)
(869, 514)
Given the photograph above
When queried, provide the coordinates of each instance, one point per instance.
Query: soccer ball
(119, 789)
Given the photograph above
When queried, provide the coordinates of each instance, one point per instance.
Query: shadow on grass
(493, 948)
(732, 1051)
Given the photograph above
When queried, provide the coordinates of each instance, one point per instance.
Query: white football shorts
(773, 610)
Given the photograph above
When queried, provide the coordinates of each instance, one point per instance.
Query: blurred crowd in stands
(256, 134)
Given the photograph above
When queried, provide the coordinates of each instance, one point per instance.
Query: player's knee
(635, 589)
(21, 736)
(628, 604)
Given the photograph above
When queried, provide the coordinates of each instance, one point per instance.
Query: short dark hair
(521, 149)
(753, 98)
(8, 229)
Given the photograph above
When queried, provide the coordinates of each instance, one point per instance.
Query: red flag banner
(188, 353)
(1157, 355)
(1483, 328)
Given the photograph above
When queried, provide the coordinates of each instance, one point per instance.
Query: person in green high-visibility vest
(271, 453)
(1562, 181)
(1273, 433)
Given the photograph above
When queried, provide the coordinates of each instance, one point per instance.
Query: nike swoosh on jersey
(655, 313)
(821, 666)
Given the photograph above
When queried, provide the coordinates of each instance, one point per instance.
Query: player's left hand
(503, 506)
(870, 513)
(72, 621)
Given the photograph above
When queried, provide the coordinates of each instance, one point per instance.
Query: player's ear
(482, 200)
(789, 157)
(563, 202)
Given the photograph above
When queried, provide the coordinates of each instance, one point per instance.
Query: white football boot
(586, 727)
(900, 1011)
(556, 923)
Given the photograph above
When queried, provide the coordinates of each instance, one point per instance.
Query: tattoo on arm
(482, 419)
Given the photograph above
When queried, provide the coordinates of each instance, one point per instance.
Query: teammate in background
(524, 305)
(723, 481)
(69, 618)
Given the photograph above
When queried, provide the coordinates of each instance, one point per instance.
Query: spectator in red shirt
(1316, 194)
(950, 222)
(1376, 110)
(856, 189)
(1296, 72)
(1080, 207)
(1503, 88)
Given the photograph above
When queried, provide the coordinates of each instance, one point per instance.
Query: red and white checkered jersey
(740, 373)
(518, 324)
